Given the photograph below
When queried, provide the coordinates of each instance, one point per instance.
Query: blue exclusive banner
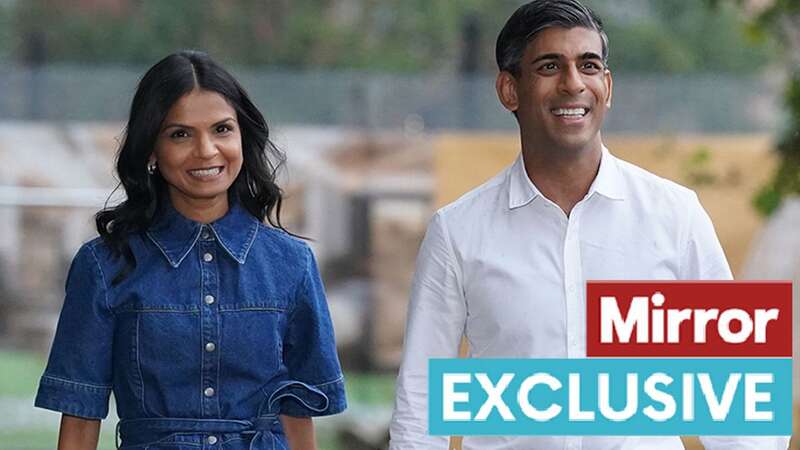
(620, 396)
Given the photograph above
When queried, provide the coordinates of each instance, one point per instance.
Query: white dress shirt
(506, 267)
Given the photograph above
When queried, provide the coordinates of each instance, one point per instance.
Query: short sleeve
(317, 384)
(77, 380)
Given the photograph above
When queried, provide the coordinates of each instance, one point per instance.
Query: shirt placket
(574, 305)
(572, 281)
(209, 324)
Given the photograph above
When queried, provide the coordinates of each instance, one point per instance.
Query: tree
(781, 19)
(672, 36)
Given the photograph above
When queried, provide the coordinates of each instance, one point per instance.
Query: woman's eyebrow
(227, 119)
(181, 125)
(176, 125)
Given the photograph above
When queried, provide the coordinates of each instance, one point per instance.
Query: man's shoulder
(478, 200)
(643, 183)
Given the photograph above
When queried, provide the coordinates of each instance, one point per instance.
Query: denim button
(210, 347)
(209, 392)
(212, 440)
(209, 299)
(208, 257)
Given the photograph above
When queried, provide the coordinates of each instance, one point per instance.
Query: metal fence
(710, 103)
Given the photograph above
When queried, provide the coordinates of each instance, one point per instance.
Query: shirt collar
(175, 235)
(607, 183)
(521, 190)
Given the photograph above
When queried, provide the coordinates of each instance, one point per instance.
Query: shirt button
(209, 392)
(209, 299)
(205, 235)
(212, 440)
(210, 347)
(208, 257)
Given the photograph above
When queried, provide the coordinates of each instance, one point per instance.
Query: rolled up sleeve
(704, 259)
(436, 320)
(77, 379)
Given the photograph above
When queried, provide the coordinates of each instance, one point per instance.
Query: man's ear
(506, 86)
(609, 87)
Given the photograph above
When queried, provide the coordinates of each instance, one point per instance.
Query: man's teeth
(206, 172)
(570, 111)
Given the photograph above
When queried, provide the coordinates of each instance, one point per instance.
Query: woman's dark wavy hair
(162, 85)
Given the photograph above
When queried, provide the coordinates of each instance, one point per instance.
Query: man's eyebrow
(546, 56)
(591, 55)
(585, 56)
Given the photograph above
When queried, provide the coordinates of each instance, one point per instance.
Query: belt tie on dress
(263, 427)
(138, 431)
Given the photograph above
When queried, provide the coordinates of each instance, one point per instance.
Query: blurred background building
(386, 111)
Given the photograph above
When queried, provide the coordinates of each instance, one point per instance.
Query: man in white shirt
(506, 264)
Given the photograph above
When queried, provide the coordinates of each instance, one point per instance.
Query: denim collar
(175, 235)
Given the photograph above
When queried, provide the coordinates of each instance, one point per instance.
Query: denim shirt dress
(218, 330)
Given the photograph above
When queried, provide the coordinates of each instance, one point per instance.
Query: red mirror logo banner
(689, 319)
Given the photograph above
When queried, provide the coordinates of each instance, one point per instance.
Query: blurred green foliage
(370, 388)
(780, 19)
(697, 168)
(686, 37)
(21, 372)
(786, 180)
(397, 35)
(5, 32)
(672, 36)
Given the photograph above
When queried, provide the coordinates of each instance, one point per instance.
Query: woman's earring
(151, 167)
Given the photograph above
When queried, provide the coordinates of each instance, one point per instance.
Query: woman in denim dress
(204, 317)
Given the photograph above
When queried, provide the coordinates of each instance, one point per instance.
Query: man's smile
(570, 111)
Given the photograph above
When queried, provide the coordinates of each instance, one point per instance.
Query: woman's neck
(200, 210)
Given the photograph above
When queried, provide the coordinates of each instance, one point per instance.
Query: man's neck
(563, 176)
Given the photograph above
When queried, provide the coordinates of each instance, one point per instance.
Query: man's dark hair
(533, 17)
